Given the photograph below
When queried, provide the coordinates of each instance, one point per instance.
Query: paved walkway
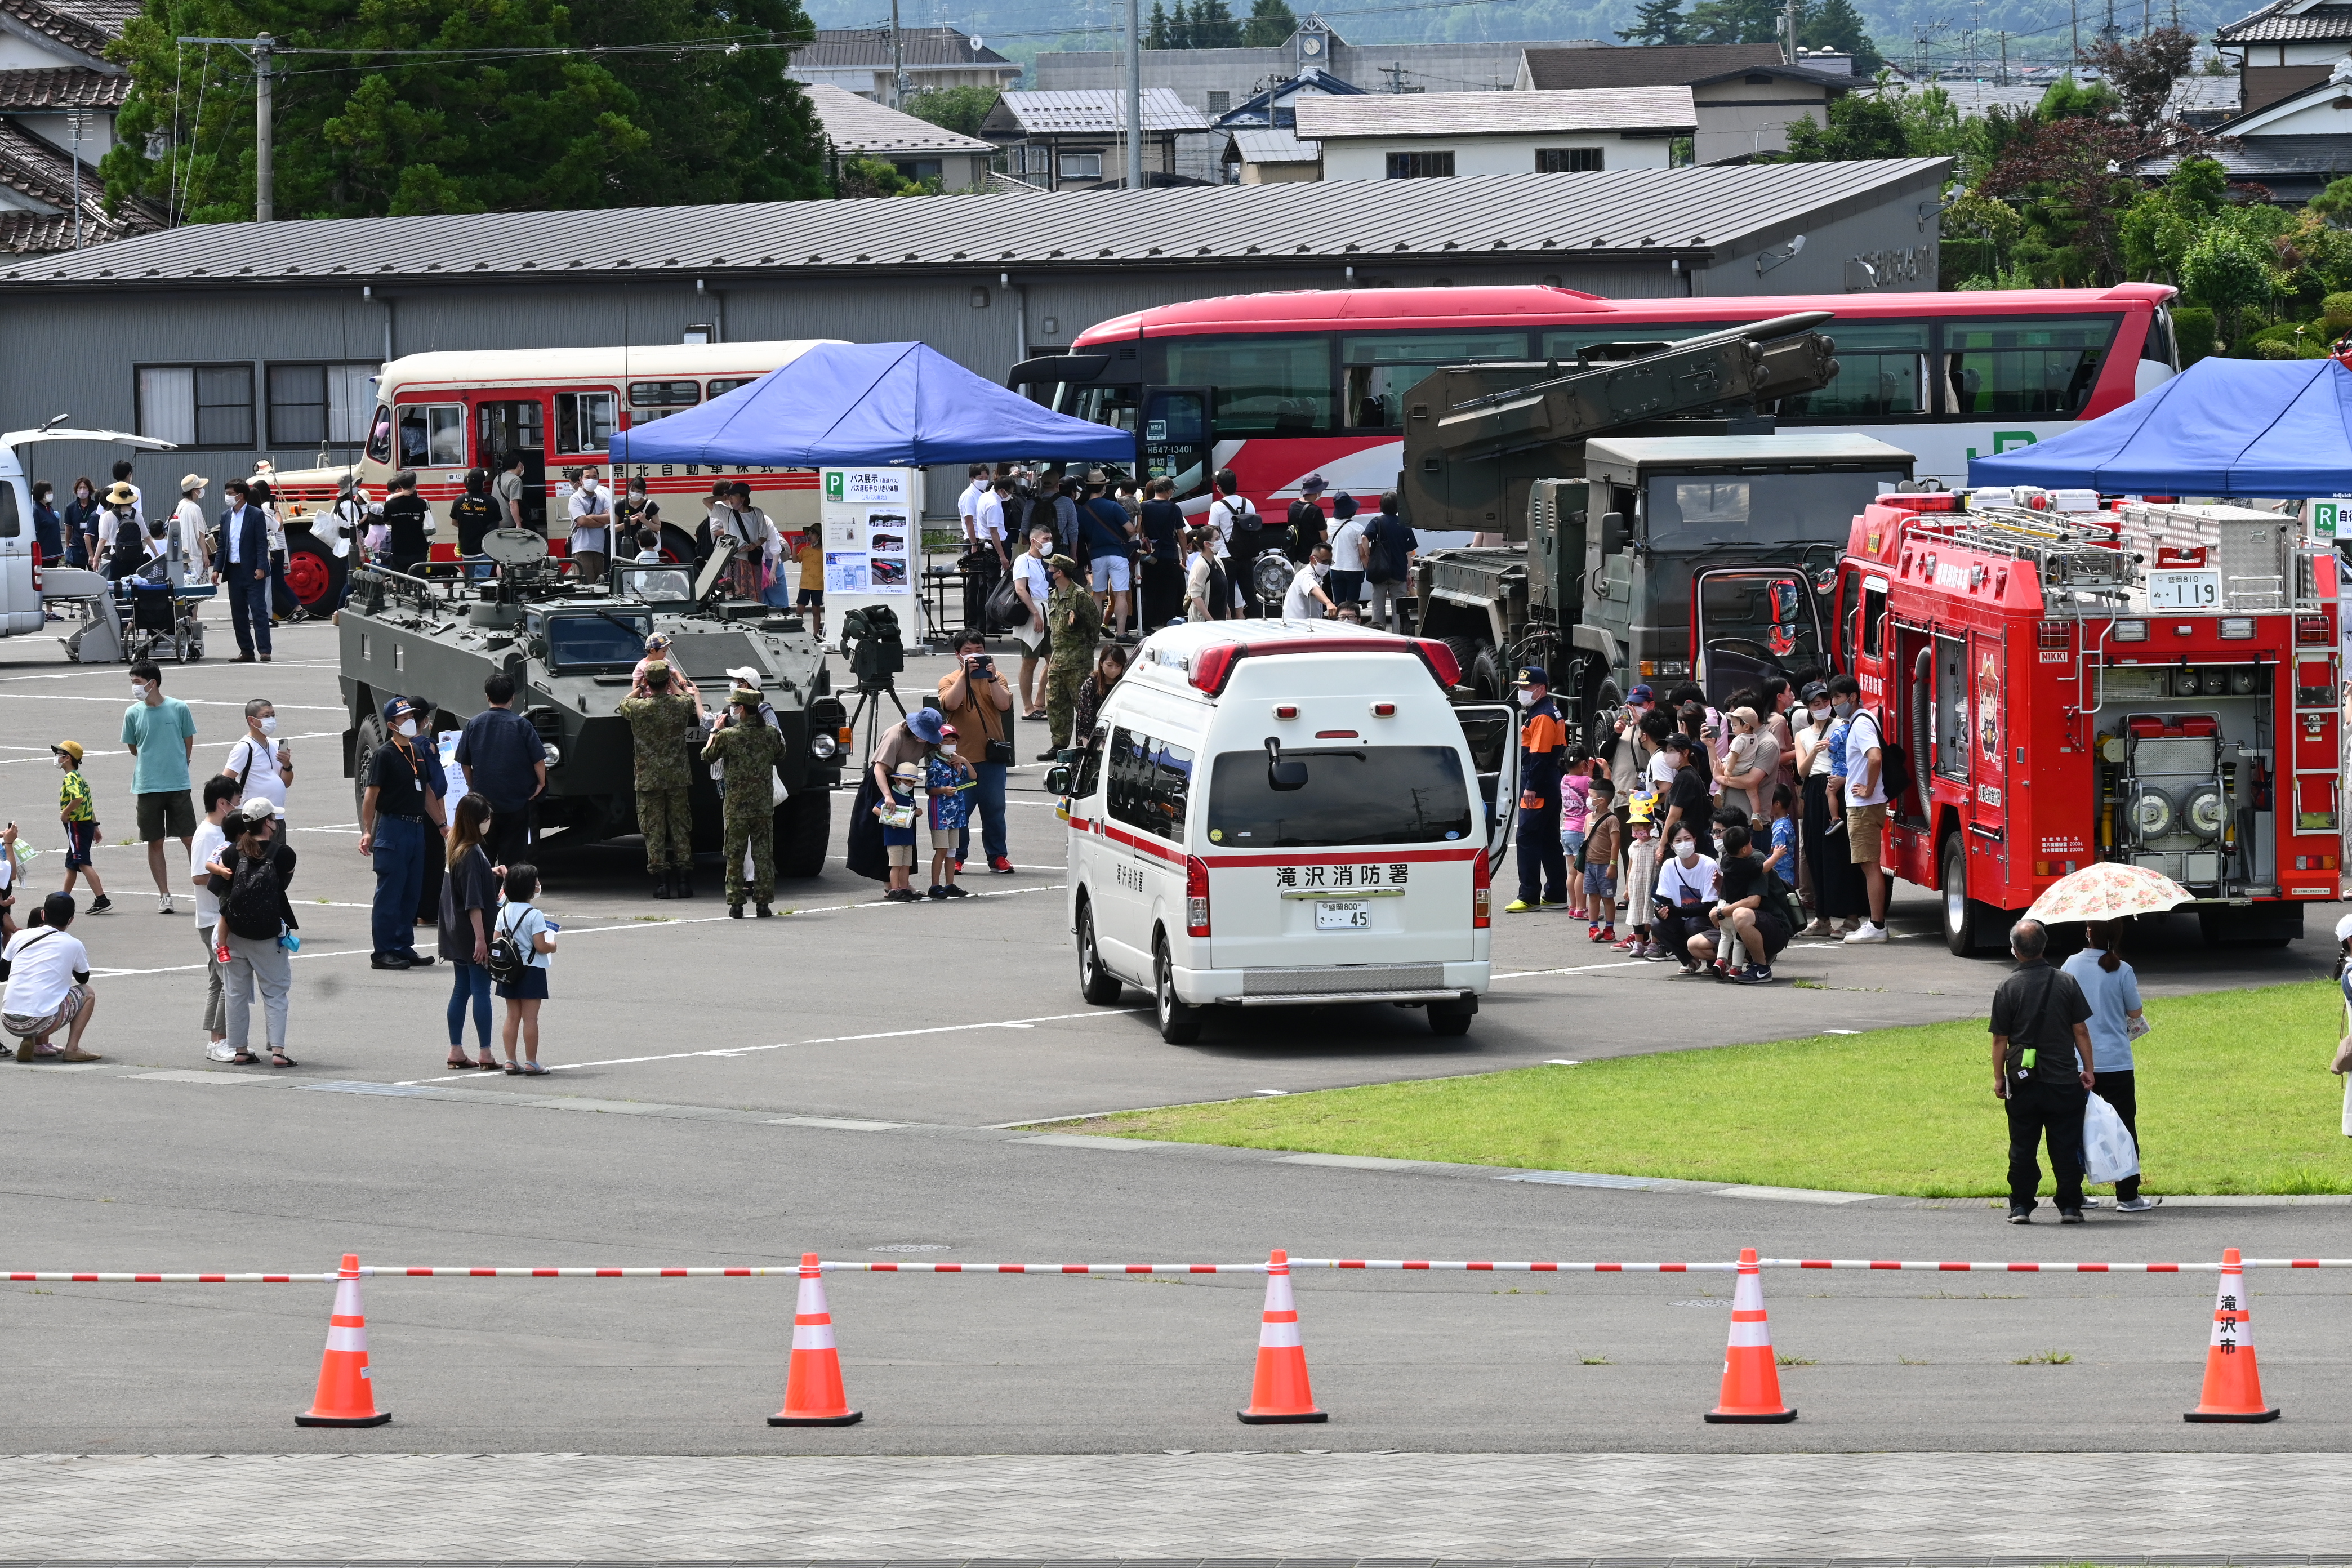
(1330, 1508)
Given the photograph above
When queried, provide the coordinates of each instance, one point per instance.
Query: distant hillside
(2038, 30)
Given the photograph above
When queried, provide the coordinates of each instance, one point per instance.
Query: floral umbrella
(2107, 891)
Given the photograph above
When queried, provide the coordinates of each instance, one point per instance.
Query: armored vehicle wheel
(370, 736)
(1466, 653)
(313, 575)
(803, 823)
(1487, 675)
(677, 544)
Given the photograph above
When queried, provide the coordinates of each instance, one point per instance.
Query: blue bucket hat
(923, 723)
(1343, 505)
(1312, 485)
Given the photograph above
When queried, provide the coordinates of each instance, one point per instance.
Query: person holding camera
(978, 702)
(665, 723)
(748, 749)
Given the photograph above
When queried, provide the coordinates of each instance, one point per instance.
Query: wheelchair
(161, 619)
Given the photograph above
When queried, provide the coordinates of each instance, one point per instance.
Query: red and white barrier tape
(2049, 1267)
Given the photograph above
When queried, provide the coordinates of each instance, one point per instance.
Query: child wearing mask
(1575, 819)
(1640, 870)
(1598, 849)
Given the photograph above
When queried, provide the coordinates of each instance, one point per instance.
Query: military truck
(1502, 448)
(571, 648)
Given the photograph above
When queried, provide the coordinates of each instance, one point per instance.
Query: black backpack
(1221, 592)
(255, 904)
(507, 960)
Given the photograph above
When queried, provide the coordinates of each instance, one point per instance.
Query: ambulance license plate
(1335, 915)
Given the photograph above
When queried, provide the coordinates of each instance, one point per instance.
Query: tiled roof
(1641, 213)
(855, 124)
(2287, 22)
(2261, 157)
(88, 26)
(1654, 108)
(1084, 110)
(61, 86)
(925, 48)
(1643, 64)
(34, 168)
(1274, 147)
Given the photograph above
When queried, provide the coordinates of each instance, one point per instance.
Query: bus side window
(583, 421)
(379, 443)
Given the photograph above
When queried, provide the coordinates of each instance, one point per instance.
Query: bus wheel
(313, 575)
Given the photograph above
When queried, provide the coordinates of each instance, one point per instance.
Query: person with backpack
(522, 942)
(1243, 532)
(469, 901)
(255, 939)
(1305, 521)
(260, 764)
(1388, 546)
(476, 515)
(1866, 774)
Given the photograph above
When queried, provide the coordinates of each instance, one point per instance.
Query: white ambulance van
(25, 583)
(1287, 814)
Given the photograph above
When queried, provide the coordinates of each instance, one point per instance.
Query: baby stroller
(162, 619)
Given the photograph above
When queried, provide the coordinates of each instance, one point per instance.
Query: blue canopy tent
(854, 405)
(2221, 427)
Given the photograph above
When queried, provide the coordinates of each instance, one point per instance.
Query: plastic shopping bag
(2108, 1152)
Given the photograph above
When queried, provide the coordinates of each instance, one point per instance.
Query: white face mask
(269, 724)
(407, 728)
(1686, 849)
(138, 691)
(1322, 569)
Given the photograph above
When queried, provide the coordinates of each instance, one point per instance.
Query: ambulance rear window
(1356, 796)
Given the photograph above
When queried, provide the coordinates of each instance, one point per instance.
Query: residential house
(58, 97)
(862, 60)
(1073, 141)
(1384, 136)
(2292, 145)
(1743, 96)
(2288, 47)
(859, 127)
(1262, 146)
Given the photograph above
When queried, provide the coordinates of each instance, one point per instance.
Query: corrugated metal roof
(1559, 68)
(855, 124)
(1095, 110)
(1651, 109)
(924, 48)
(61, 86)
(1656, 212)
(1274, 147)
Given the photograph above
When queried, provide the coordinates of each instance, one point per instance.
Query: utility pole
(2003, 77)
(265, 160)
(1134, 96)
(1789, 24)
(899, 60)
(2074, 27)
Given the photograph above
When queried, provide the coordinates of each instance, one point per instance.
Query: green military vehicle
(1603, 594)
(571, 648)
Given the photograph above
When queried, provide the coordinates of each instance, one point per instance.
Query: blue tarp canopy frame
(2221, 427)
(855, 405)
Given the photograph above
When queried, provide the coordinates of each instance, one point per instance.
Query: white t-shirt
(988, 513)
(1347, 546)
(339, 525)
(273, 527)
(968, 503)
(1032, 568)
(524, 922)
(209, 841)
(1678, 883)
(582, 505)
(43, 962)
(1661, 770)
(1225, 514)
(1301, 604)
(263, 780)
(1861, 736)
(1814, 735)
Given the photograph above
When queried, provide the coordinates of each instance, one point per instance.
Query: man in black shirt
(410, 519)
(2041, 1070)
(1305, 520)
(1687, 798)
(1163, 568)
(396, 830)
(506, 763)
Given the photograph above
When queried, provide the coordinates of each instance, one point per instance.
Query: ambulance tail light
(1482, 894)
(2310, 630)
(1196, 896)
(2130, 631)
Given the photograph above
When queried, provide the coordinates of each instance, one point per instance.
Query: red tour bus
(1279, 387)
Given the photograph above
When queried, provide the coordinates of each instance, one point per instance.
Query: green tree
(1270, 24)
(2067, 99)
(1836, 24)
(2335, 203)
(873, 177)
(1658, 22)
(1735, 22)
(2227, 271)
(1161, 33)
(2144, 69)
(959, 109)
(1213, 25)
(367, 133)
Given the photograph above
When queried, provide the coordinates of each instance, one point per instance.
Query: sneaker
(1551, 903)
(903, 895)
(1632, 943)
(1755, 974)
(2091, 1201)
(163, 904)
(1593, 931)
(219, 1051)
(1866, 934)
(1517, 907)
(2020, 1215)
(2070, 1217)
(1652, 952)
(100, 904)
(1002, 865)
(954, 891)
(2136, 1206)
(937, 892)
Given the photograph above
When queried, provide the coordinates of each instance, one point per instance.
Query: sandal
(512, 1070)
(280, 1059)
(532, 1069)
(244, 1059)
(487, 1063)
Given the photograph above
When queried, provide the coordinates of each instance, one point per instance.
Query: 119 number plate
(1332, 914)
(2184, 590)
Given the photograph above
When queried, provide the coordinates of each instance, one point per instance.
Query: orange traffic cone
(2234, 1385)
(346, 1395)
(812, 1393)
(1280, 1393)
(1752, 1383)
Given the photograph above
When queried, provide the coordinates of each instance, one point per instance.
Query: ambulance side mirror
(1614, 535)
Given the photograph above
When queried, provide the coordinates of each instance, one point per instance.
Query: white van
(1285, 814)
(25, 585)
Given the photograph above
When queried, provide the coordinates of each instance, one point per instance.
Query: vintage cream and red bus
(441, 413)
(1279, 387)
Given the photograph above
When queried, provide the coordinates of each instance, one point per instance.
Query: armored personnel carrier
(572, 649)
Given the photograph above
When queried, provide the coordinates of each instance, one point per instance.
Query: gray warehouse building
(986, 279)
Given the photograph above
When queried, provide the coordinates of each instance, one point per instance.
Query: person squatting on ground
(664, 723)
(1543, 750)
(2042, 1071)
(1683, 904)
(1751, 909)
(256, 926)
(1074, 621)
(47, 986)
(2112, 988)
(747, 750)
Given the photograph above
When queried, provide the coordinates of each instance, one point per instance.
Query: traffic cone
(2234, 1385)
(1752, 1383)
(346, 1395)
(1280, 1393)
(812, 1393)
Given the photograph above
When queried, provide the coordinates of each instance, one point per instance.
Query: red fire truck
(2151, 684)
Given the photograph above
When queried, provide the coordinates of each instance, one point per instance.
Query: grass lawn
(2234, 1097)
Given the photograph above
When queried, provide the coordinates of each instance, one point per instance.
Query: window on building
(1220, 103)
(917, 168)
(1150, 782)
(1568, 160)
(198, 405)
(433, 435)
(583, 421)
(1421, 165)
(2024, 367)
(319, 404)
(1081, 165)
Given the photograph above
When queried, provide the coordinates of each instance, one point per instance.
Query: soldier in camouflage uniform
(664, 724)
(749, 749)
(1075, 619)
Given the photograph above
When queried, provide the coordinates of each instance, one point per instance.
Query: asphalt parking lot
(855, 1078)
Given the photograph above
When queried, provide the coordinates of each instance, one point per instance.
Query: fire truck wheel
(1968, 925)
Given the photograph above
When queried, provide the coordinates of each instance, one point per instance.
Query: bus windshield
(1354, 797)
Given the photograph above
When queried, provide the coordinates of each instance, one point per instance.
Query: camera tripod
(869, 712)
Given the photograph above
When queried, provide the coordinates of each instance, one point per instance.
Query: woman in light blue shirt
(2113, 990)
